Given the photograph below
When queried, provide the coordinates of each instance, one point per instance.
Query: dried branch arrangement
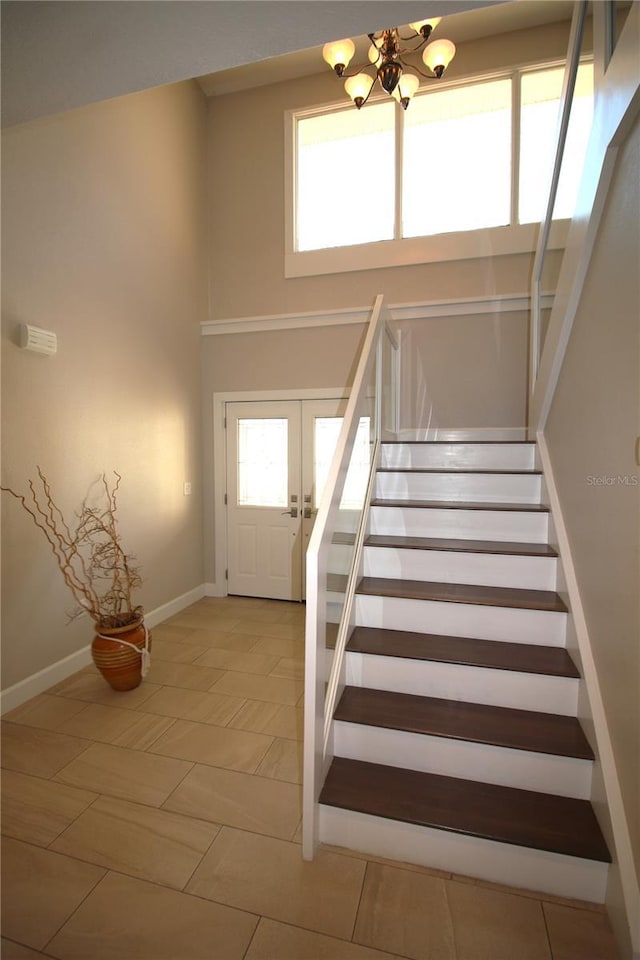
(89, 554)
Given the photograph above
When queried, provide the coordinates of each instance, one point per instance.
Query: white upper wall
(58, 55)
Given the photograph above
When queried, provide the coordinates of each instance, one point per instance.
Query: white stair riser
(504, 525)
(522, 769)
(482, 569)
(469, 456)
(483, 487)
(502, 863)
(469, 434)
(454, 681)
(461, 620)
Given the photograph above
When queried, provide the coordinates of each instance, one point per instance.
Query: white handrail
(319, 702)
(566, 102)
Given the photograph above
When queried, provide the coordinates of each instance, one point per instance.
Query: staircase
(456, 743)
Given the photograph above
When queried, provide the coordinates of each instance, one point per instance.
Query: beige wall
(464, 371)
(246, 170)
(591, 433)
(104, 242)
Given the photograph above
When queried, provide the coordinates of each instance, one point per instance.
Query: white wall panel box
(38, 340)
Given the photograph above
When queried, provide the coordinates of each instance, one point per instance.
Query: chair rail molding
(428, 310)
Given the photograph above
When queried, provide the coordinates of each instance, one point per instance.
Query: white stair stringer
(504, 863)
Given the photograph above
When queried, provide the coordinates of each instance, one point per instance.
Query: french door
(278, 458)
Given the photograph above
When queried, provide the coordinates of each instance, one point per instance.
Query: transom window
(450, 165)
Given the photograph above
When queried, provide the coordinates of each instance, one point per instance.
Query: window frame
(515, 238)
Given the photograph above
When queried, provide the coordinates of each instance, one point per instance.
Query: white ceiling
(459, 27)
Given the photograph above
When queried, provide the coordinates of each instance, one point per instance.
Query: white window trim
(467, 245)
(464, 245)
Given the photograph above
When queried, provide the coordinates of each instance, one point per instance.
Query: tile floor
(164, 824)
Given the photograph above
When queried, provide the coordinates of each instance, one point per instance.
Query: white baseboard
(31, 686)
(460, 433)
(215, 590)
(47, 677)
(153, 617)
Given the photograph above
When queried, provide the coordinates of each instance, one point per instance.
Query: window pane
(538, 131)
(457, 160)
(262, 463)
(345, 177)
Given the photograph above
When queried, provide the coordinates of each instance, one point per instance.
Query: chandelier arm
(357, 70)
(422, 42)
(368, 95)
(426, 76)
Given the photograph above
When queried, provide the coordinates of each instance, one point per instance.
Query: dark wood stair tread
(344, 538)
(507, 727)
(337, 582)
(496, 654)
(546, 600)
(462, 505)
(503, 814)
(508, 548)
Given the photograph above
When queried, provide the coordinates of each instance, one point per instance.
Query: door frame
(219, 587)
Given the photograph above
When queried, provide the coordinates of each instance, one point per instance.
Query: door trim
(219, 587)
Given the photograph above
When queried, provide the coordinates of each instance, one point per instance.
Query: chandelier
(388, 58)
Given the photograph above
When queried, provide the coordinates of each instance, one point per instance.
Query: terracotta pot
(119, 664)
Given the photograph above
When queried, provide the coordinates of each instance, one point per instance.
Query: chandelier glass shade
(392, 61)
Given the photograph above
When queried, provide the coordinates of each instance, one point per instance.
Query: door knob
(290, 513)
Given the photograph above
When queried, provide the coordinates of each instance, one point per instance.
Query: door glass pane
(457, 160)
(263, 463)
(334, 203)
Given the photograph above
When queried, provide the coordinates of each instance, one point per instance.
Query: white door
(263, 499)
(278, 458)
